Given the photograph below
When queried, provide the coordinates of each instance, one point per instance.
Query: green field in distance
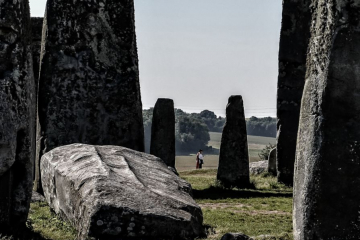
(256, 144)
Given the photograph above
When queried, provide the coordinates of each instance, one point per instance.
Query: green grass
(48, 225)
(266, 209)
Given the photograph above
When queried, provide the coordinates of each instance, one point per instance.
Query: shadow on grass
(24, 234)
(215, 193)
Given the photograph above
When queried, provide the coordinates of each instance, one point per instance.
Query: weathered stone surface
(294, 40)
(259, 167)
(235, 236)
(233, 167)
(36, 25)
(163, 131)
(89, 80)
(111, 192)
(36, 197)
(326, 196)
(272, 162)
(17, 114)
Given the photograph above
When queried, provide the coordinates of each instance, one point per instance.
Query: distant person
(199, 159)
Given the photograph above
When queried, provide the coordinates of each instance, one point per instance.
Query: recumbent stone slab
(111, 192)
(17, 114)
(163, 131)
(326, 196)
(89, 81)
(294, 41)
(233, 170)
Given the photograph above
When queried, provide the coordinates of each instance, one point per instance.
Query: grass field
(255, 144)
(264, 212)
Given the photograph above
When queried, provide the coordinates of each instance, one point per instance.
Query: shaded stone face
(17, 114)
(294, 40)
(234, 158)
(89, 89)
(36, 25)
(111, 192)
(272, 162)
(326, 199)
(163, 131)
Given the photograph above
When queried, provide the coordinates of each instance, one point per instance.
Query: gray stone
(111, 192)
(233, 170)
(294, 41)
(36, 197)
(89, 80)
(36, 24)
(326, 196)
(235, 236)
(163, 131)
(17, 114)
(259, 167)
(272, 162)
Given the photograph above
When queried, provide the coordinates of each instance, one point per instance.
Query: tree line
(192, 129)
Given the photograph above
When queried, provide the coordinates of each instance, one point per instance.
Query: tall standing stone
(163, 131)
(326, 195)
(272, 162)
(234, 157)
(89, 79)
(36, 24)
(294, 41)
(17, 114)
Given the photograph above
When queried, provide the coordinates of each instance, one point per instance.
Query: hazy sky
(199, 52)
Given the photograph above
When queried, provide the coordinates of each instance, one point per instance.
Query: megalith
(112, 192)
(326, 196)
(163, 131)
(233, 170)
(17, 114)
(89, 79)
(272, 162)
(36, 25)
(294, 41)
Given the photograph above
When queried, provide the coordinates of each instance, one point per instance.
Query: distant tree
(265, 127)
(264, 154)
(147, 120)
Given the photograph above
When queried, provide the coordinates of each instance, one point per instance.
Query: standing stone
(36, 24)
(163, 131)
(294, 41)
(89, 79)
(17, 114)
(233, 168)
(326, 195)
(272, 162)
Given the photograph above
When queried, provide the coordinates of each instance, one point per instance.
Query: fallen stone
(89, 88)
(233, 170)
(36, 197)
(257, 168)
(235, 236)
(17, 115)
(326, 196)
(294, 41)
(111, 192)
(163, 131)
(272, 162)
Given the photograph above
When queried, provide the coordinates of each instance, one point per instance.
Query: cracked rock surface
(326, 196)
(89, 80)
(111, 192)
(294, 41)
(17, 114)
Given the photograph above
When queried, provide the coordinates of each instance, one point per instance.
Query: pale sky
(199, 52)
